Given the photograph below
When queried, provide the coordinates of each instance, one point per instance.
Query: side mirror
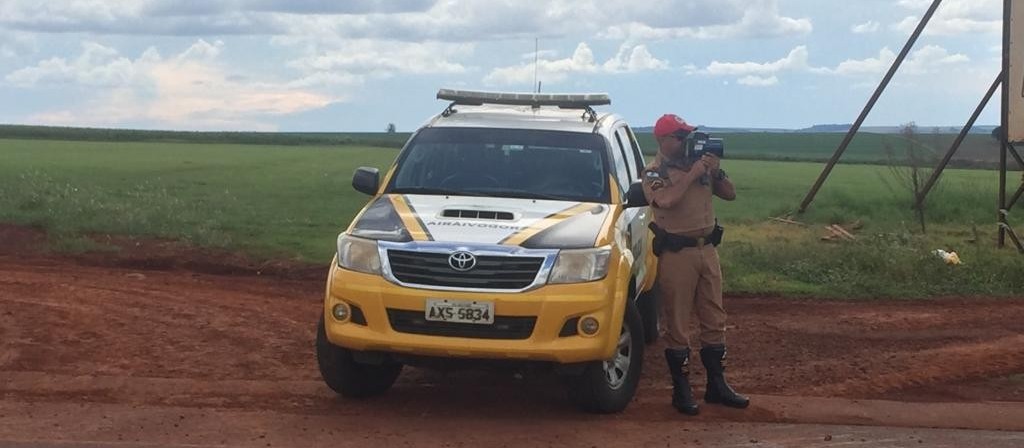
(366, 180)
(635, 196)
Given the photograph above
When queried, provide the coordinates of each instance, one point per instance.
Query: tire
(344, 375)
(605, 391)
(647, 303)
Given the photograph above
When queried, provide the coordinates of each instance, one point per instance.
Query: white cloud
(192, 18)
(327, 79)
(316, 6)
(757, 74)
(927, 60)
(189, 90)
(96, 66)
(141, 17)
(795, 60)
(540, 54)
(324, 53)
(550, 71)
(754, 19)
(868, 27)
(15, 44)
(471, 20)
(758, 81)
(629, 59)
(933, 58)
(203, 50)
(954, 17)
(635, 59)
(867, 66)
(33, 14)
(413, 21)
(335, 49)
(385, 58)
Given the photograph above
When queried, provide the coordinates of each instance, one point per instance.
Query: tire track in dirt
(959, 363)
(89, 320)
(11, 333)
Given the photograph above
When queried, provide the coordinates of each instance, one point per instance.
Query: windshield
(522, 163)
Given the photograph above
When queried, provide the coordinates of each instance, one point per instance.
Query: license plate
(461, 311)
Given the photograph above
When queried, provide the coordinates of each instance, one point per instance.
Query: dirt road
(120, 356)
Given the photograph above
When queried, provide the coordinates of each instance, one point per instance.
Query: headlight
(580, 265)
(358, 254)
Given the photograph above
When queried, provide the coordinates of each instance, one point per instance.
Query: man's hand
(654, 180)
(712, 161)
(698, 169)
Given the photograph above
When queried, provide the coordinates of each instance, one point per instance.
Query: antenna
(536, 56)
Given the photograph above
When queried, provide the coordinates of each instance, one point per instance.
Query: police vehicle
(511, 227)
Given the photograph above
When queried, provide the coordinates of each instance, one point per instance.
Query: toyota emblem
(462, 261)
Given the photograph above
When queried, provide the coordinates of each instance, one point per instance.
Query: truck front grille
(504, 327)
(491, 272)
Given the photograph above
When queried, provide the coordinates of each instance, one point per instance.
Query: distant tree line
(386, 140)
(868, 148)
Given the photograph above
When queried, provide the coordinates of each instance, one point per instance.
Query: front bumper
(551, 305)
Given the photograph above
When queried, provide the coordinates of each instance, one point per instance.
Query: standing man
(679, 187)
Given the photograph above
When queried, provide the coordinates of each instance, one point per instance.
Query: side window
(619, 158)
(627, 153)
(638, 154)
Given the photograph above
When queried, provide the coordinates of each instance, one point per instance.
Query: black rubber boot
(679, 368)
(718, 390)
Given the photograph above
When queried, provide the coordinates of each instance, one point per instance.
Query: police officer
(679, 188)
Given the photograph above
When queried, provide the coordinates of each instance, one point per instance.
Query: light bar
(563, 100)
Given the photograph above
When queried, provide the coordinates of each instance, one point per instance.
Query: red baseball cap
(669, 124)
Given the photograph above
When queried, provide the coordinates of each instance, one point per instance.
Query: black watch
(720, 175)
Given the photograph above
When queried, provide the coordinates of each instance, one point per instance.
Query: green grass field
(392, 140)
(289, 202)
(977, 151)
(269, 201)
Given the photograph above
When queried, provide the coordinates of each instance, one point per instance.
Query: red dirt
(99, 334)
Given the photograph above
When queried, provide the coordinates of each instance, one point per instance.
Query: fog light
(588, 326)
(340, 312)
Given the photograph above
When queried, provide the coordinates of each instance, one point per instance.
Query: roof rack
(583, 101)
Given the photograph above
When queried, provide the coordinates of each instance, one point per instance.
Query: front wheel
(607, 387)
(348, 377)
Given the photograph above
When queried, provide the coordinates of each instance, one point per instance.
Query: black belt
(674, 242)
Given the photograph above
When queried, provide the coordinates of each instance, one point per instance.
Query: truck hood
(485, 220)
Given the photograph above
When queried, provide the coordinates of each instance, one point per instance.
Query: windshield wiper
(434, 191)
(522, 194)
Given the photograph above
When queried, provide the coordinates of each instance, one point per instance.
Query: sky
(358, 65)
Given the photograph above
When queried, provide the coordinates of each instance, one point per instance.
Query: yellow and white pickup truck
(511, 227)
